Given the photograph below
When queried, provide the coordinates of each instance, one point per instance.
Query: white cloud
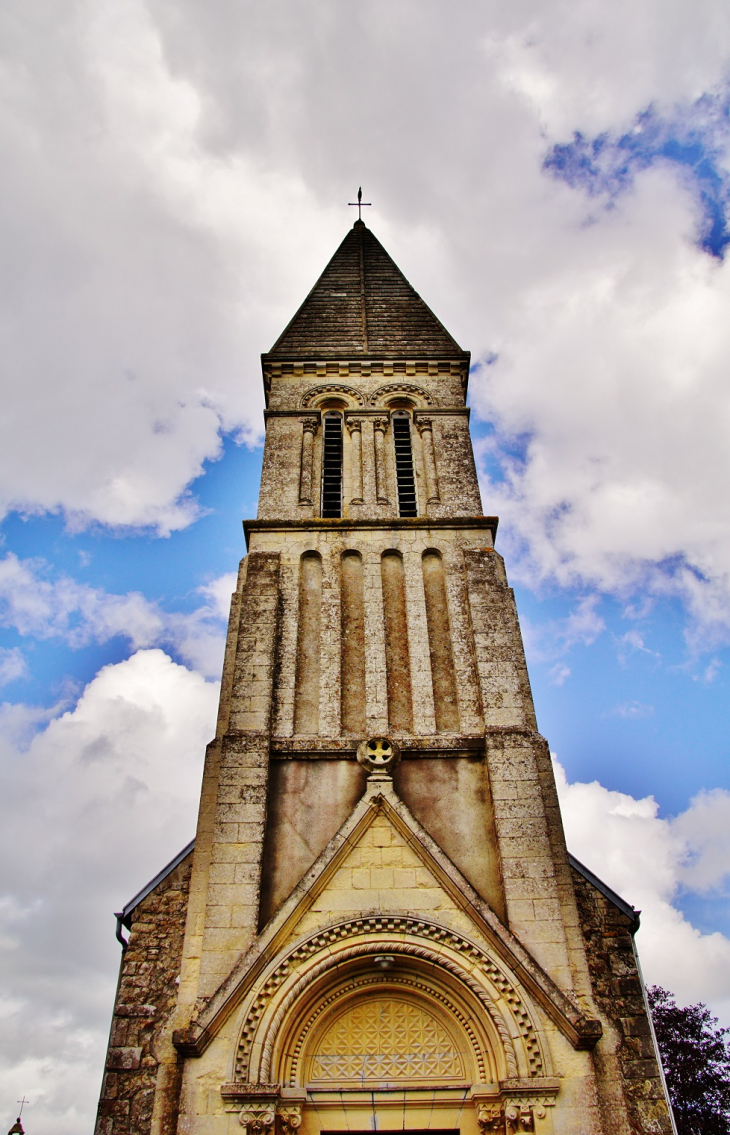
(219, 592)
(93, 806)
(632, 709)
(649, 860)
(43, 608)
(559, 674)
(614, 364)
(554, 638)
(176, 179)
(12, 665)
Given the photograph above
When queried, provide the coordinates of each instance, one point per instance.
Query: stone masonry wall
(144, 1006)
(618, 994)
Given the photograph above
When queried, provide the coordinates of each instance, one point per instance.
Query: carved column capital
(490, 1117)
(310, 425)
(258, 1116)
(511, 1118)
(291, 1118)
(380, 425)
(519, 1118)
(354, 424)
(423, 424)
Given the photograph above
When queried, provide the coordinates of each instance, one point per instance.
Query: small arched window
(405, 478)
(332, 465)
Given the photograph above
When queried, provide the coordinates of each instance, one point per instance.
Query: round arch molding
(316, 395)
(468, 1008)
(393, 391)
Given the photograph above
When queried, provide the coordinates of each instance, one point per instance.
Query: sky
(554, 178)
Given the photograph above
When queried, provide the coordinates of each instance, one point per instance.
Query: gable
(381, 872)
(359, 879)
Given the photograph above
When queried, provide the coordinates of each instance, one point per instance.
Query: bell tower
(379, 926)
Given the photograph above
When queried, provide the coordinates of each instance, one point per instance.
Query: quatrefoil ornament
(379, 756)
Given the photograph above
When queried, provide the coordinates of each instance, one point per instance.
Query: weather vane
(359, 203)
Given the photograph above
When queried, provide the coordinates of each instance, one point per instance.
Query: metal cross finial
(359, 203)
(22, 1102)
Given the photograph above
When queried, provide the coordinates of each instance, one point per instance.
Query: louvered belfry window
(332, 466)
(404, 464)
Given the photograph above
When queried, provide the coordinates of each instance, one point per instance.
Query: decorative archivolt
(317, 394)
(401, 389)
(463, 982)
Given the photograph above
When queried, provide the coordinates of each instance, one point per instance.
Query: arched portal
(366, 1015)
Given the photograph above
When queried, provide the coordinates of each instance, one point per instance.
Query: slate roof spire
(362, 305)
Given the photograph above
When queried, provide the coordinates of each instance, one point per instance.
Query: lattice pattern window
(386, 1040)
(404, 465)
(332, 466)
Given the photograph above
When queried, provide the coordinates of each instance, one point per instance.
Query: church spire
(362, 305)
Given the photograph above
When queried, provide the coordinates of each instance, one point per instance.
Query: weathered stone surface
(146, 1001)
(441, 892)
(618, 993)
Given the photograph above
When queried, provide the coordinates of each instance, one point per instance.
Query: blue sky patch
(693, 139)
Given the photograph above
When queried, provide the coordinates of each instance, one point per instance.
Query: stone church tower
(378, 926)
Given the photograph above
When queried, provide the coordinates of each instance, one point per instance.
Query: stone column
(354, 426)
(425, 429)
(380, 426)
(309, 429)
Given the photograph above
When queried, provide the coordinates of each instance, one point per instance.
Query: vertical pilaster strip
(397, 657)
(425, 429)
(353, 643)
(306, 691)
(309, 429)
(376, 677)
(354, 426)
(380, 426)
(443, 673)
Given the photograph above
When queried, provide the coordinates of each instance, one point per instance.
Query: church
(378, 926)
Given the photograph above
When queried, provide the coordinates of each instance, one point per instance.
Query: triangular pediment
(383, 862)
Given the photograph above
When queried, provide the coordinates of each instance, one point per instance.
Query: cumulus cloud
(651, 862)
(632, 709)
(12, 665)
(175, 177)
(102, 796)
(178, 177)
(35, 605)
(554, 638)
(92, 806)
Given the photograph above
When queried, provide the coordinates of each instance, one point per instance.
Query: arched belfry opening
(378, 926)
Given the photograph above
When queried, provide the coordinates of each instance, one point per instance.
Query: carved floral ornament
(283, 1016)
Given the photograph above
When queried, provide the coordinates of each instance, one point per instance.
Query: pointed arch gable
(251, 979)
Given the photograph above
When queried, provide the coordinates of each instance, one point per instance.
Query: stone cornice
(396, 523)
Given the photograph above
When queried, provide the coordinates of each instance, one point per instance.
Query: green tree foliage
(696, 1059)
